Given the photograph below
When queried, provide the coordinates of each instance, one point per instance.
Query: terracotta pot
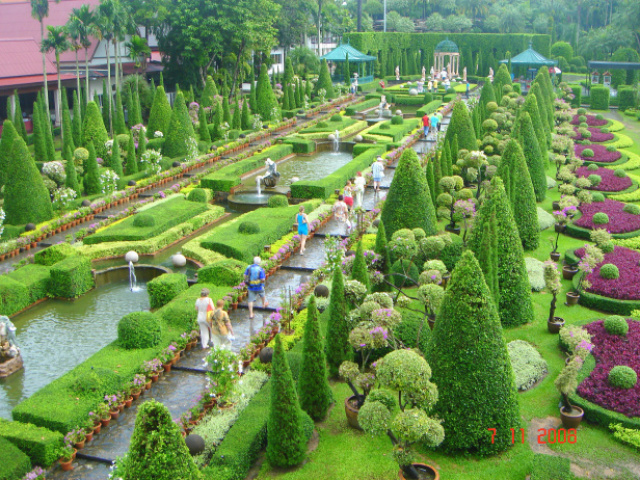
(246, 363)
(167, 366)
(556, 325)
(188, 347)
(573, 419)
(66, 466)
(127, 402)
(572, 298)
(147, 385)
(79, 445)
(568, 272)
(89, 436)
(114, 414)
(154, 378)
(121, 407)
(97, 428)
(555, 256)
(135, 395)
(352, 413)
(234, 305)
(423, 467)
(105, 421)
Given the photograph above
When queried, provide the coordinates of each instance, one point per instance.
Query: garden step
(297, 269)
(282, 282)
(180, 368)
(93, 458)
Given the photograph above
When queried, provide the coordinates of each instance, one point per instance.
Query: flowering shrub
(224, 370)
(62, 197)
(55, 171)
(610, 182)
(151, 160)
(626, 286)
(591, 120)
(600, 153)
(610, 351)
(109, 181)
(619, 220)
(35, 474)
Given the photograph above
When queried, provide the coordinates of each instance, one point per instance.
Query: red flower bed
(625, 287)
(596, 135)
(592, 121)
(619, 221)
(609, 183)
(609, 351)
(600, 153)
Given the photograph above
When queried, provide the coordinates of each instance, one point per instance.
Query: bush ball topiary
(609, 271)
(616, 325)
(620, 172)
(622, 376)
(142, 220)
(322, 125)
(336, 118)
(397, 120)
(278, 201)
(198, 195)
(600, 218)
(599, 116)
(385, 126)
(597, 197)
(248, 228)
(632, 208)
(490, 125)
(595, 179)
(587, 152)
(593, 167)
(582, 111)
(139, 330)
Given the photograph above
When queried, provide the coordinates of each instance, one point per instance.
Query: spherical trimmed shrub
(80, 155)
(142, 220)
(278, 201)
(397, 120)
(336, 118)
(593, 167)
(385, 126)
(582, 118)
(490, 125)
(583, 125)
(586, 134)
(616, 325)
(199, 195)
(609, 271)
(402, 268)
(248, 228)
(587, 152)
(601, 218)
(491, 107)
(597, 197)
(582, 112)
(632, 208)
(595, 179)
(607, 247)
(604, 130)
(622, 376)
(599, 116)
(611, 148)
(139, 330)
(322, 124)
(620, 173)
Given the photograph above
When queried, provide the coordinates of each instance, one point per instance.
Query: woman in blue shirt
(303, 228)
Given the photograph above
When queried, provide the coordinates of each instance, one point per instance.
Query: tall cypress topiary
(179, 133)
(324, 81)
(245, 119)
(531, 106)
(285, 440)
(307, 89)
(67, 130)
(115, 160)
(253, 102)
(236, 119)
(382, 249)
(93, 130)
(470, 365)
(487, 95)
(91, 178)
(135, 114)
(501, 79)
(533, 156)
(26, 199)
(132, 164)
(265, 98)
(48, 133)
(76, 121)
(9, 135)
(39, 143)
(515, 307)
(408, 203)
(157, 450)
(225, 111)
(461, 125)
(453, 155)
(299, 94)
(437, 173)
(359, 271)
(488, 256)
(285, 100)
(142, 146)
(542, 107)
(106, 104)
(431, 181)
(288, 71)
(313, 386)
(543, 79)
(203, 129)
(119, 125)
(18, 121)
(208, 97)
(71, 180)
(337, 345)
(160, 114)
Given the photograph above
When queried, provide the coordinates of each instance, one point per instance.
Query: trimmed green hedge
(577, 96)
(180, 312)
(166, 215)
(549, 467)
(15, 464)
(39, 443)
(35, 278)
(359, 148)
(301, 145)
(325, 187)
(227, 272)
(599, 97)
(71, 277)
(396, 132)
(54, 254)
(139, 330)
(359, 107)
(429, 108)
(14, 296)
(165, 288)
(227, 177)
(274, 222)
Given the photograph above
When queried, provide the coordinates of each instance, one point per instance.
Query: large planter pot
(79, 445)
(555, 256)
(352, 412)
(451, 229)
(556, 325)
(167, 367)
(426, 472)
(89, 436)
(568, 272)
(66, 465)
(114, 414)
(105, 421)
(135, 395)
(572, 298)
(560, 228)
(97, 428)
(127, 402)
(573, 419)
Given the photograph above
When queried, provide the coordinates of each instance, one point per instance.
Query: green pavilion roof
(339, 54)
(532, 58)
(446, 46)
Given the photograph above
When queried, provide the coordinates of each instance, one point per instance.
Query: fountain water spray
(258, 182)
(132, 278)
(336, 142)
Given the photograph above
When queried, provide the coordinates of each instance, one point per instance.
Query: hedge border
(38, 443)
(585, 233)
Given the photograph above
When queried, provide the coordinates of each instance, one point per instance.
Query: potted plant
(553, 284)
(166, 357)
(36, 474)
(88, 429)
(223, 372)
(567, 383)
(66, 455)
(592, 256)
(102, 411)
(76, 437)
(407, 373)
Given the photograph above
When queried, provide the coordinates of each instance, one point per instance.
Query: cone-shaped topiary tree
(26, 199)
(288, 71)
(253, 102)
(461, 125)
(142, 146)
(203, 129)
(119, 125)
(324, 81)
(337, 345)
(245, 119)
(48, 133)
(431, 181)
(299, 95)
(488, 256)
(236, 119)
(285, 440)
(39, 143)
(470, 364)
(531, 106)
(18, 121)
(543, 79)
(208, 97)
(408, 204)
(115, 160)
(67, 130)
(533, 156)
(487, 95)
(135, 115)
(502, 78)
(437, 174)
(226, 113)
(132, 163)
(285, 99)
(91, 178)
(106, 104)
(453, 154)
(445, 159)
(382, 249)
(180, 130)
(265, 98)
(542, 107)
(76, 121)
(71, 180)
(519, 188)
(160, 114)
(8, 137)
(313, 386)
(93, 130)
(359, 271)
(515, 307)
(157, 450)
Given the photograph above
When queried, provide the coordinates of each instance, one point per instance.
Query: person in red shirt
(426, 123)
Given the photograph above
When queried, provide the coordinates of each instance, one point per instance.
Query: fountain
(258, 185)
(132, 278)
(10, 358)
(336, 142)
(384, 112)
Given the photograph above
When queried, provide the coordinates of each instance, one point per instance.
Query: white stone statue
(464, 74)
(10, 358)
(424, 73)
(491, 74)
(449, 70)
(433, 72)
(397, 72)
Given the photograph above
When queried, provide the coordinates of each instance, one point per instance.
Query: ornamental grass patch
(625, 287)
(600, 153)
(619, 220)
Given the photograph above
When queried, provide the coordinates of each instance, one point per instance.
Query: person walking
(377, 170)
(468, 88)
(359, 185)
(341, 212)
(426, 123)
(348, 194)
(434, 124)
(204, 305)
(430, 86)
(221, 329)
(303, 228)
(254, 277)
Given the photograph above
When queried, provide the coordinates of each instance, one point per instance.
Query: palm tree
(138, 52)
(103, 30)
(40, 11)
(74, 26)
(122, 24)
(57, 42)
(82, 19)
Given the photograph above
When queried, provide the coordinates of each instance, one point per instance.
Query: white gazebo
(447, 50)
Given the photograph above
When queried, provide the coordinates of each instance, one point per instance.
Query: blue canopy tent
(363, 62)
(532, 61)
